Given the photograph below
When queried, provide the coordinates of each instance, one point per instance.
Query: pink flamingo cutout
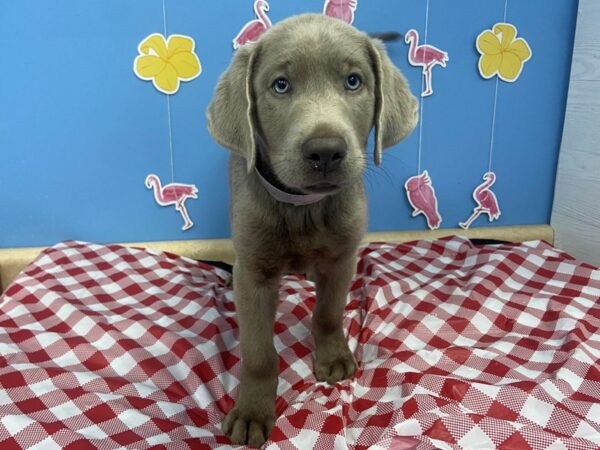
(421, 197)
(173, 194)
(486, 201)
(426, 56)
(340, 9)
(254, 28)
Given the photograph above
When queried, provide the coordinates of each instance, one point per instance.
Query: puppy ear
(396, 108)
(230, 115)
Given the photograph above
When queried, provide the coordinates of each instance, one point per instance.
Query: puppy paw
(248, 427)
(333, 365)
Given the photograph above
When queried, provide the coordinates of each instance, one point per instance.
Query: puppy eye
(353, 82)
(281, 85)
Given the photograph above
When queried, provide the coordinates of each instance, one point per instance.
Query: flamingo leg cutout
(476, 213)
(428, 85)
(184, 214)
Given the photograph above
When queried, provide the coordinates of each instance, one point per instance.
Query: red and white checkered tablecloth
(459, 347)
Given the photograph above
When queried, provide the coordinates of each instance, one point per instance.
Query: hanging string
(493, 132)
(164, 10)
(421, 112)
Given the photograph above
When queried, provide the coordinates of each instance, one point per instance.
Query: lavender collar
(292, 199)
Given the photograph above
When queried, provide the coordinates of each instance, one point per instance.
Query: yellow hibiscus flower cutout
(501, 53)
(167, 62)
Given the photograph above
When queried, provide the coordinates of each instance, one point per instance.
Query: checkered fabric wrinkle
(459, 347)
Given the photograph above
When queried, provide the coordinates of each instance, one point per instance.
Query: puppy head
(306, 96)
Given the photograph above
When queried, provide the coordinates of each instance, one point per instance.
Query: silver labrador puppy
(296, 109)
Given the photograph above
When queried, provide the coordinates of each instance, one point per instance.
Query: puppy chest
(299, 260)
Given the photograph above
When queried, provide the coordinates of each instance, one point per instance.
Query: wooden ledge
(13, 260)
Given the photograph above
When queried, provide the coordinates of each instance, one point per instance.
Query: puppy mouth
(322, 188)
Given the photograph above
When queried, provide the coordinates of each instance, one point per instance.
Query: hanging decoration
(486, 201)
(340, 9)
(419, 188)
(166, 62)
(425, 56)
(502, 53)
(173, 194)
(421, 196)
(254, 28)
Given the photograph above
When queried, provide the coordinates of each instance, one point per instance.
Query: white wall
(576, 210)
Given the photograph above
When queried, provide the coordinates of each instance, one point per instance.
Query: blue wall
(79, 132)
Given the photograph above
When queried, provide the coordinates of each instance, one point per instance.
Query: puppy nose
(324, 154)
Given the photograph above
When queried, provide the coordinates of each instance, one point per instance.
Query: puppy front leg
(252, 418)
(333, 359)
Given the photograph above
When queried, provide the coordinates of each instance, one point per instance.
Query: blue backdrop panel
(79, 131)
